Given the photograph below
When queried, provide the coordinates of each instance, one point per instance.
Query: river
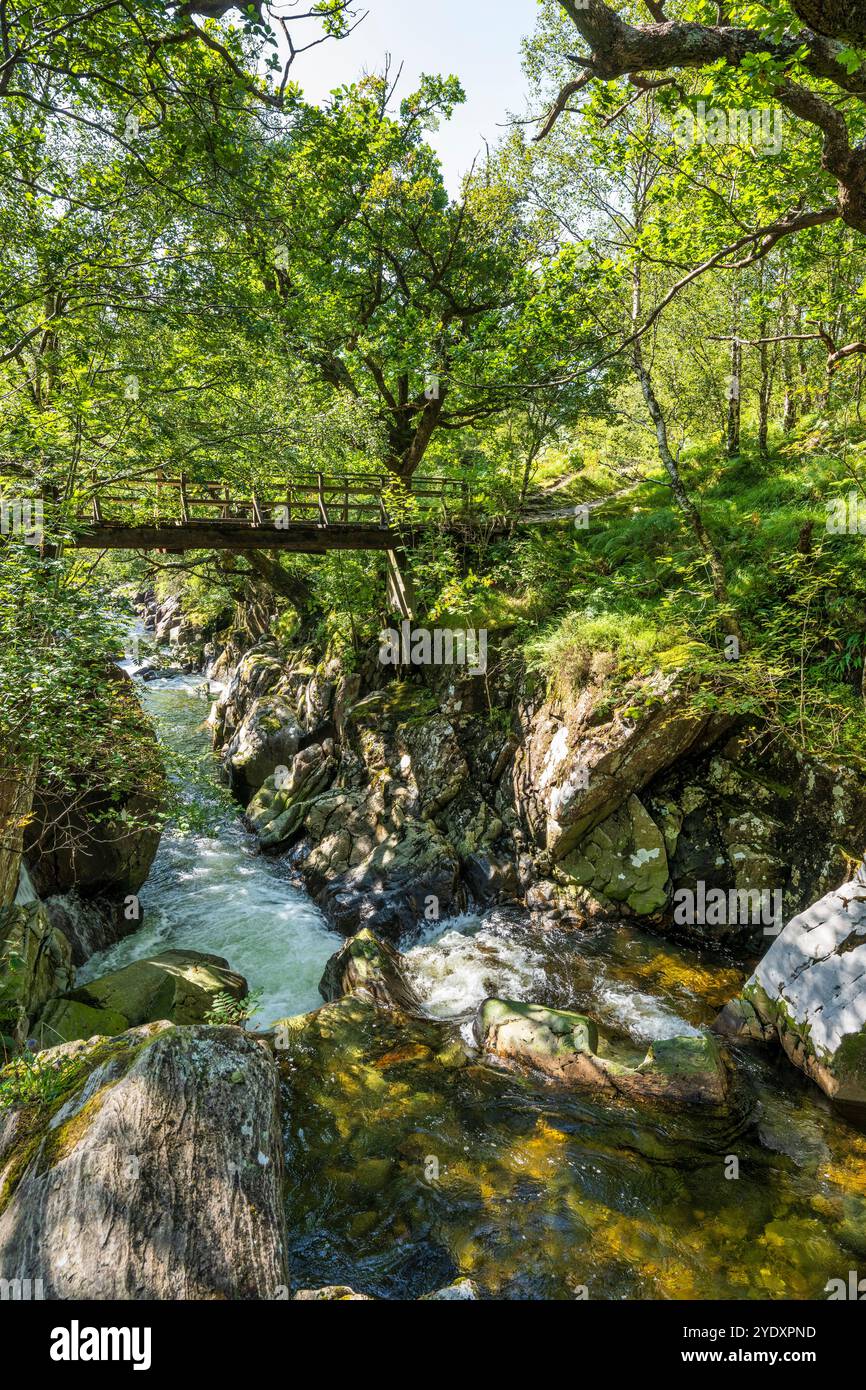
(536, 1193)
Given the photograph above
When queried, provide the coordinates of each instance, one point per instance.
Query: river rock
(35, 963)
(266, 739)
(623, 860)
(809, 991)
(692, 1070)
(366, 963)
(154, 1172)
(407, 875)
(574, 769)
(278, 809)
(179, 986)
(331, 1293)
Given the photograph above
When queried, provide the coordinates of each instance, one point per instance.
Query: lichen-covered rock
(179, 986)
(623, 860)
(461, 1291)
(152, 1169)
(331, 1293)
(575, 770)
(809, 991)
(276, 812)
(35, 963)
(366, 963)
(267, 738)
(755, 815)
(407, 875)
(434, 757)
(692, 1070)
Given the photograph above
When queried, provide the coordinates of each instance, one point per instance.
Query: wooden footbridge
(310, 513)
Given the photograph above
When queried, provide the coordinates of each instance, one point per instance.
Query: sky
(478, 40)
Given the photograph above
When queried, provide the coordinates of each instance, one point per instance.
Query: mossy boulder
(693, 1070)
(391, 889)
(64, 1020)
(623, 860)
(276, 812)
(149, 1167)
(267, 738)
(366, 963)
(179, 986)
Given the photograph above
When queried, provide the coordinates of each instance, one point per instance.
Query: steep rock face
(35, 964)
(179, 986)
(380, 805)
(404, 799)
(753, 814)
(809, 992)
(154, 1170)
(678, 806)
(575, 770)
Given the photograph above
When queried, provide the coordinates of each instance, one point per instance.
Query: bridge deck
(311, 513)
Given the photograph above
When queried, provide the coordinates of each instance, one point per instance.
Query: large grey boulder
(152, 1170)
(809, 991)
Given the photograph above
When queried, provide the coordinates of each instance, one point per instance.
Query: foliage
(228, 1010)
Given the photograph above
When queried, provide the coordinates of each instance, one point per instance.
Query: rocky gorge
(454, 828)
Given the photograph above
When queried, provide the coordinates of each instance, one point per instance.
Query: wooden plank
(309, 538)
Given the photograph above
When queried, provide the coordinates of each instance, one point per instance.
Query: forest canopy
(649, 293)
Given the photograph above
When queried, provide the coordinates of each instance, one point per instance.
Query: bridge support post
(401, 593)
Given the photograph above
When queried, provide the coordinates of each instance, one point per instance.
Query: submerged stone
(690, 1070)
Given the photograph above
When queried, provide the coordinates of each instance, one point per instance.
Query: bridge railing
(351, 499)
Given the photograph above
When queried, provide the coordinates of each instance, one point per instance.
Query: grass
(632, 592)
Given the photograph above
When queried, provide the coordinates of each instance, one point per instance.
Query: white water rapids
(215, 893)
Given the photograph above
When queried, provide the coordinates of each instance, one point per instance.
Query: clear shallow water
(213, 892)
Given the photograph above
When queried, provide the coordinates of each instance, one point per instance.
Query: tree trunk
(683, 500)
(734, 393)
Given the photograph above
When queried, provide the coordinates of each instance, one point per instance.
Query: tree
(435, 313)
(767, 53)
